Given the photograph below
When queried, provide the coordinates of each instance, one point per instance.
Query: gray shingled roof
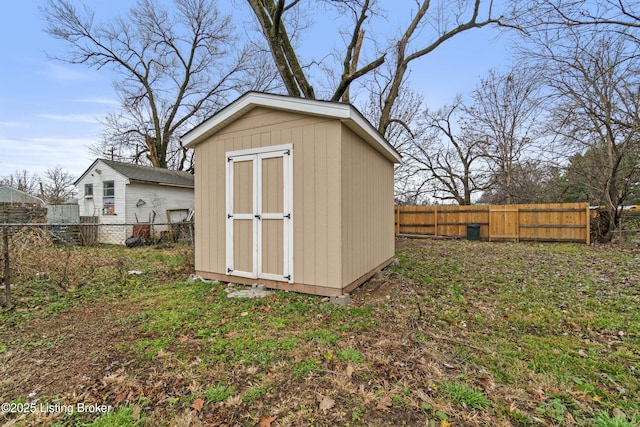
(151, 175)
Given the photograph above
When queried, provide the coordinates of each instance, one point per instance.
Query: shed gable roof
(146, 174)
(346, 113)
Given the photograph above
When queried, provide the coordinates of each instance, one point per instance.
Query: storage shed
(292, 193)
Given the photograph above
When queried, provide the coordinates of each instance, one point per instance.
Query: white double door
(259, 222)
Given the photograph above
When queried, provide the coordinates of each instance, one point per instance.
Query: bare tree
(533, 181)
(505, 115)
(58, 186)
(22, 180)
(599, 109)
(411, 185)
(272, 20)
(592, 15)
(431, 24)
(450, 154)
(589, 50)
(176, 67)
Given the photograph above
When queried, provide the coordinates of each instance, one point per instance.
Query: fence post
(7, 272)
(588, 221)
(517, 223)
(435, 222)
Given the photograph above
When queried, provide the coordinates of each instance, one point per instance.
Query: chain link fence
(628, 232)
(68, 254)
(93, 234)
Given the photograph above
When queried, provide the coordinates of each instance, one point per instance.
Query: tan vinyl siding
(316, 231)
(367, 207)
(316, 190)
(210, 208)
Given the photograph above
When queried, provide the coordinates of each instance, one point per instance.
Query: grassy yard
(456, 333)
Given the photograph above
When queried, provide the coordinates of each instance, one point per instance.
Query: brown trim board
(297, 287)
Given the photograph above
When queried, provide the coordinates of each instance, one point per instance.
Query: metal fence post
(7, 272)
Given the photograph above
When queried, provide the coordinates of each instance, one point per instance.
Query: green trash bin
(473, 232)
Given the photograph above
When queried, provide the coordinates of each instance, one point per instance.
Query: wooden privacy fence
(553, 222)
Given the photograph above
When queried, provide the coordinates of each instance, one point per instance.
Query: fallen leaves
(197, 405)
(406, 362)
(121, 396)
(384, 403)
(266, 421)
(326, 403)
(350, 370)
(136, 413)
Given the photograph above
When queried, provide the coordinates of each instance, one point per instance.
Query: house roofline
(85, 172)
(128, 178)
(164, 184)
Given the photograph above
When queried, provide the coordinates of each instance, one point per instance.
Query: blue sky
(49, 110)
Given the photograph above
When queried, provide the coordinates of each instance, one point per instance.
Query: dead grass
(546, 334)
(35, 257)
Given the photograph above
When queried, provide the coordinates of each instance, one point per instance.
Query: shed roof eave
(359, 124)
(344, 112)
(251, 100)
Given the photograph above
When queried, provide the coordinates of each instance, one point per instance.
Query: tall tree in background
(532, 181)
(176, 67)
(450, 153)
(22, 180)
(431, 24)
(505, 113)
(621, 16)
(599, 112)
(590, 51)
(58, 187)
(405, 130)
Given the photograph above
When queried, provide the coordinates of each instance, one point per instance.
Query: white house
(122, 193)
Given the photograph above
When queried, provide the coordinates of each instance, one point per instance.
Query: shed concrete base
(296, 287)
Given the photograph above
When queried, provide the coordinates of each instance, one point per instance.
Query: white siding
(98, 179)
(157, 200)
(116, 235)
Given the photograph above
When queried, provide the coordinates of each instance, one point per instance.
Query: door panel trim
(256, 155)
(231, 216)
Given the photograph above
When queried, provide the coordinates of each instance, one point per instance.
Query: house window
(88, 189)
(108, 198)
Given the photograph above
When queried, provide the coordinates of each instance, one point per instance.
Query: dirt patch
(64, 353)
